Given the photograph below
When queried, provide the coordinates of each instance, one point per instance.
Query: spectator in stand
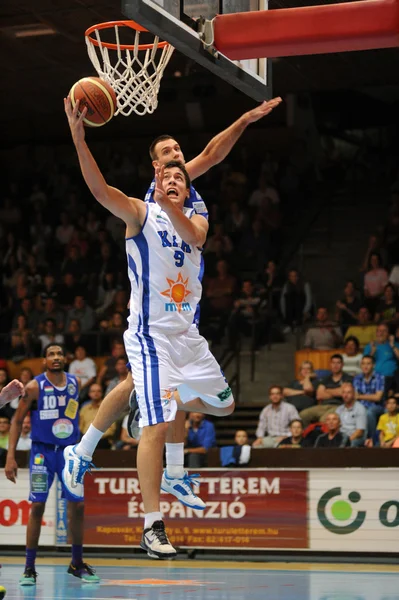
(385, 352)
(65, 231)
(388, 424)
(106, 293)
(51, 311)
(201, 437)
(334, 438)
(270, 285)
(84, 313)
(323, 335)
(4, 431)
(365, 331)
(34, 275)
(329, 392)
(25, 442)
(119, 305)
(254, 248)
(218, 237)
(25, 376)
(84, 368)
(121, 370)
(353, 416)
(49, 287)
(89, 411)
(249, 316)
(75, 264)
(74, 338)
(301, 393)
(108, 370)
(22, 342)
(375, 281)
(50, 335)
(68, 290)
(296, 439)
(239, 454)
(369, 388)
(374, 247)
(352, 356)
(236, 222)
(220, 290)
(274, 420)
(295, 301)
(32, 315)
(115, 326)
(126, 442)
(388, 308)
(348, 307)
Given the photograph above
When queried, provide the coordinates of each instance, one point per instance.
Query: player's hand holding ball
(160, 195)
(75, 120)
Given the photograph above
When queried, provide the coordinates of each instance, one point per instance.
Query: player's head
(54, 358)
(176, 182)
(164, 149)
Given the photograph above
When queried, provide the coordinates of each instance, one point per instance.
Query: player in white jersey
(175, 480)
(164, 347)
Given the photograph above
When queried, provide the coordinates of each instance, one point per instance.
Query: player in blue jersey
(52, 399)
(175, 480)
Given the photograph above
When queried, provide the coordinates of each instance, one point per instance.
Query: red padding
(309, 30)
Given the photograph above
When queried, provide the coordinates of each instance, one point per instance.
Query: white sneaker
(183, 489)
(74, 471)
(156, 543)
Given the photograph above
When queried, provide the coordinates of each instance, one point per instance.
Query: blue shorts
(45, 461)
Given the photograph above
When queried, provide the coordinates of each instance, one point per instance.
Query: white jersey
(164, 275)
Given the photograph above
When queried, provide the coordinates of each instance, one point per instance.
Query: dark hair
(279, 387)
(352, 338)
(51, 346)
(50, 320)
(337, 356)
(371, 256)
(295, 421)
(160, 138)
(391, 398)
(370, 357)
(175, 164)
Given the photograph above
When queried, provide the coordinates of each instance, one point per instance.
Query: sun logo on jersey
(177, 294)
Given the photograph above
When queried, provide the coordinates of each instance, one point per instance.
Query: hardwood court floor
(203, 580)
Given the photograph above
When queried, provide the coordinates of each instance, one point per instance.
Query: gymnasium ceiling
(36, 73)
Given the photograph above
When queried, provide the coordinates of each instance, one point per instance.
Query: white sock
(150, 518)
(89, 442)
(175, 460)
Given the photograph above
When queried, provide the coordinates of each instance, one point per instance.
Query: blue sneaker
(183, 489)
(29, 577)
(74, 471)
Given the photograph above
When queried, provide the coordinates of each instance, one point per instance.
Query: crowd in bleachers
(63, 279)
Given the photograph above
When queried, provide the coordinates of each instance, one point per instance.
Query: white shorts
(163, 363)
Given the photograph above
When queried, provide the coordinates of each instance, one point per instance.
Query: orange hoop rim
(111, 46)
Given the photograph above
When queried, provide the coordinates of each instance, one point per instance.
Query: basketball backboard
(176, 22)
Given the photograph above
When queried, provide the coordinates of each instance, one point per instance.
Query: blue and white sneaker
(74, 471)
(133, 428)
(182, 489)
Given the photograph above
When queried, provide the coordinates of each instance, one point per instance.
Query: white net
(135, 74)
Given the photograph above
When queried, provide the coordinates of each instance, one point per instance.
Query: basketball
(99, 98)
(2, 592)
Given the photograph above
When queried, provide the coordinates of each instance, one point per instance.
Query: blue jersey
(194, 200)
(56, 418)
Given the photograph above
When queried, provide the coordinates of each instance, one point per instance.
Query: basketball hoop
(133, 70)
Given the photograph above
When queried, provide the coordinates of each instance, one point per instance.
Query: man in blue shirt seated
(200, 437)
(385, 352)
(369, 388)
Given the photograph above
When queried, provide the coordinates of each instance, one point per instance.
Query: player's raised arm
(31, 394)
(131, 210)
(220, 146)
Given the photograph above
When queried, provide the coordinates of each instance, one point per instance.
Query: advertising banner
(15, 510)
(245, 509)
(354, 510)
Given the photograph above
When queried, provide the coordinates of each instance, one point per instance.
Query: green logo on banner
(225, 394)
